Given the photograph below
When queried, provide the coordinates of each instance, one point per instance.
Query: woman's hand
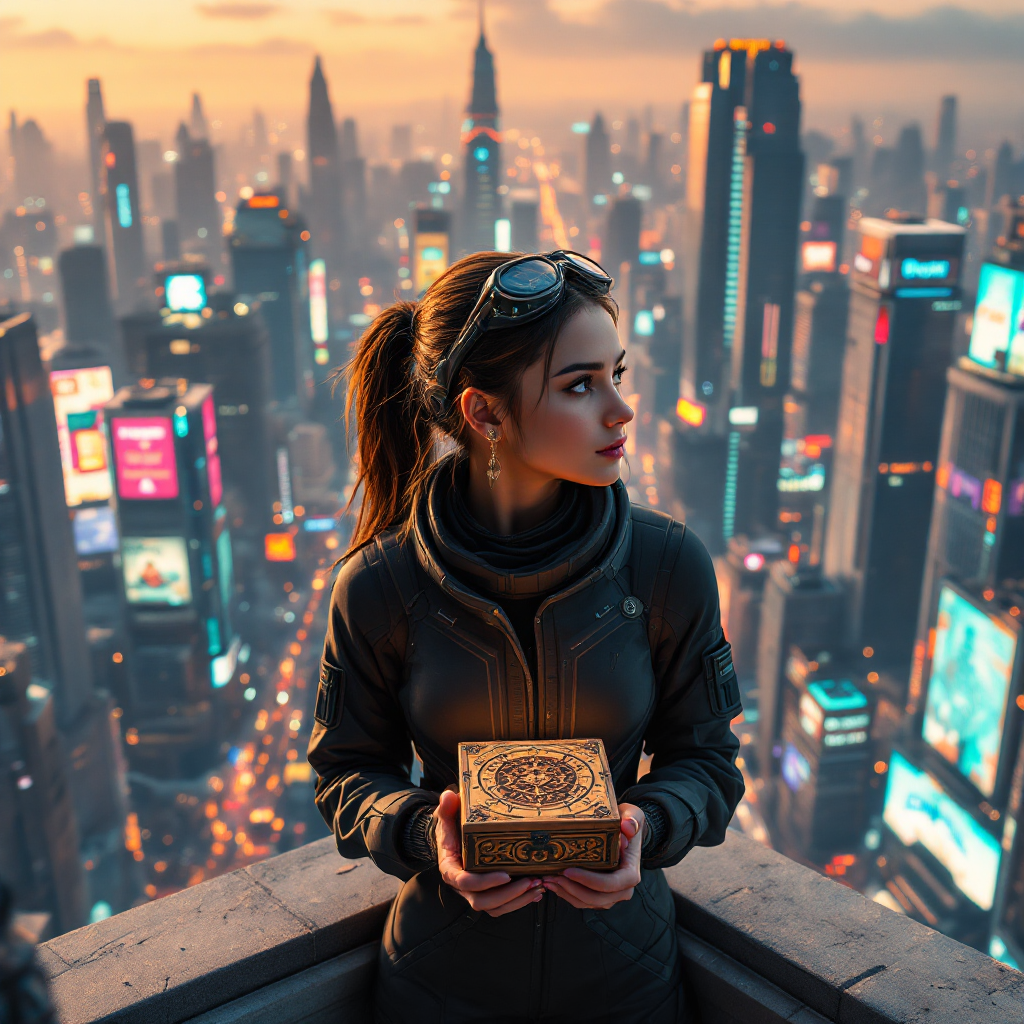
(492, 892)
(598, 890)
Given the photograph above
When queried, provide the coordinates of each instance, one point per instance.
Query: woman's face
(572, 425)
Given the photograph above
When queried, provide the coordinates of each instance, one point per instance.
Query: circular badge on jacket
(632, 607)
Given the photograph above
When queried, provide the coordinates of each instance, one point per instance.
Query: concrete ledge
(178, 957)
(292, 941)
(841, 955)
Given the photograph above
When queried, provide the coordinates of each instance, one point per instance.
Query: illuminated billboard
(997, 338)
(185, 293)
(972, 669)
(144, 458)
(213, 470)
(431, 259)
(818, 257)
(156, 571)
(279, 547)
(918, 810)
(318, 311)
(95, 531)
(78, 400)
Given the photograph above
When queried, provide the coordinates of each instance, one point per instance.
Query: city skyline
(559, 61)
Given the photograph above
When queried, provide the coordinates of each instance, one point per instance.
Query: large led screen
(998, 332)
(78, 400)
(95, 531)
(972, 668)
(144, 457)
(918, 810)
(156, 570)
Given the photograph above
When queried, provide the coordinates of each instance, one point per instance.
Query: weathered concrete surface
(767, 941)
(180, 956)
(845, 957)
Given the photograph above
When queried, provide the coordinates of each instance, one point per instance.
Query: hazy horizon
(557, 61)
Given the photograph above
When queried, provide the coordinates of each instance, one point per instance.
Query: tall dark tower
(41, 595)
(765, 287)
(945, 142)
(481, 143)
(95, 125)
(195, 196)
(122, 217)
(904, 302)
(599, 159)
(324, 201)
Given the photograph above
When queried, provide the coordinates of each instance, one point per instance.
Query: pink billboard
(212, 457)
(144, 457)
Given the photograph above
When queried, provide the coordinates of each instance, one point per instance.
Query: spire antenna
(480, 6)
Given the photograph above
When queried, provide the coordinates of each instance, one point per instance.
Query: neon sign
(924, 270)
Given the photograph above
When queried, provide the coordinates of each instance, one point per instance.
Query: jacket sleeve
(693, 777)
(360, 746)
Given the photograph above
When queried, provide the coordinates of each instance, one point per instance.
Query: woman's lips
(616, 450)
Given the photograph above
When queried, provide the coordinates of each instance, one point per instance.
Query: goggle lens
(527, 279)
(585, 265)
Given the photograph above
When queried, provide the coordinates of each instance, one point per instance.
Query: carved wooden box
(537, 807)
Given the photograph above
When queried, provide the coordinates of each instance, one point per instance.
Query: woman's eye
(581, 387)
(617, 375)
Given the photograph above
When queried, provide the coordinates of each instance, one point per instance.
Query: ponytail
(393, 434)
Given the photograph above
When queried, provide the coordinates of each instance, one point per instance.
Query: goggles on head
(515, 293)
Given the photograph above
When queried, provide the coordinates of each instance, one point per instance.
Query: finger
(531, 896)
(469, 881)
(630, 827)
(626, 877)
(592, 897)
(448, 833)
(572, 900)
(491, 899)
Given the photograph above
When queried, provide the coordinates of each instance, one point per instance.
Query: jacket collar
(616, 522)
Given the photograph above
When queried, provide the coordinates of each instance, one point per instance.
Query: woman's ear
(479, 412)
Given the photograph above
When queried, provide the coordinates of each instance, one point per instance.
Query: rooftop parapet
(292, 940)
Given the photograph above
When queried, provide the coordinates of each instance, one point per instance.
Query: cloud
(238, 10)
(275, 47)
(343, 17)
(636, 27)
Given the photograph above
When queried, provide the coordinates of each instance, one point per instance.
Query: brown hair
(395, 431)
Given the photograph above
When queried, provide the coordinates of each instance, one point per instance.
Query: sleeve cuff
(657, 826)
(418, 837)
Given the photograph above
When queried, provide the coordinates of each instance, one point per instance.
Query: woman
(508, 590)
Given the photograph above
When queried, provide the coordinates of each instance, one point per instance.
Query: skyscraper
(903, 306)
(481, 142)
(197, 119)
(88, 315)
(231, 351)
(945, 138)
(977, 527)
(120, 192)
(41, 596)
(324, 199)
(199, 228)
(176, 553)
(270, 259)
(95, 126)
(598, 159)
(761, 337)
(39, 855)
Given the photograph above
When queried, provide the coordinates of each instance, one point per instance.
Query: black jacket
(631, 652)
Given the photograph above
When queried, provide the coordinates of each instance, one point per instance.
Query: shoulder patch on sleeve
(330, 695)
(723, 686)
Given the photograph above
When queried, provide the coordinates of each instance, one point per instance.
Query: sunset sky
(399, 59)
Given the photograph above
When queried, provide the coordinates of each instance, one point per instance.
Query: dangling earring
(494, 466)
